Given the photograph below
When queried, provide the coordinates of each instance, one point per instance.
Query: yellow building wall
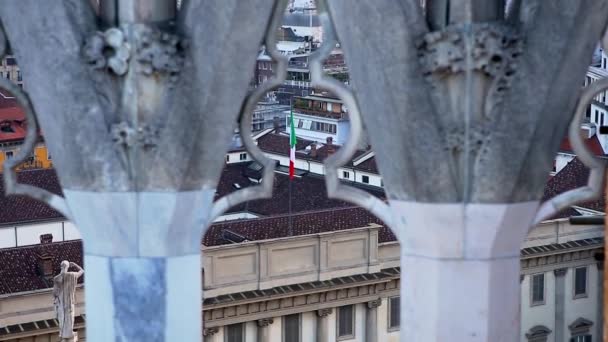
(41, 158)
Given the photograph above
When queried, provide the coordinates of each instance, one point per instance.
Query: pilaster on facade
(371, 320)
(323, 313)
(373, 304)
(210, 331)
(263, 327)
(560, 272)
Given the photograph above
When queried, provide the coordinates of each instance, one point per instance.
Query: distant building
(336, 279)
(10, 70)
(321, 118)
(269, 113)
(12, 135)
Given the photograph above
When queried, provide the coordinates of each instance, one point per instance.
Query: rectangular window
(394, 313)
(345, 174)
(243, 156)
(580, 282)
(235, 333)
(365, 179)
(582, 338)
(346, 322)
(291, 328)
(9, 154)
(538, 289)
(596, 116)
(227, 158)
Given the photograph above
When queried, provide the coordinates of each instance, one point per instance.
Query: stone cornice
(564, 259)
(244, 311)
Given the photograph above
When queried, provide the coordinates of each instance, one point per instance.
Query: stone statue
(64, 288)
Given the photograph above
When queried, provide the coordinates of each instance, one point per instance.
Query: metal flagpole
(290, 227)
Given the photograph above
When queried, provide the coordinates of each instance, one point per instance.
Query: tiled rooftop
(313, 213)
(21, 209)
(573, 175)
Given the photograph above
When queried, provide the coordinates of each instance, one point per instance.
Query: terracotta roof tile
(21, 208)
(592, 143)
(572, 176)
(19, 265)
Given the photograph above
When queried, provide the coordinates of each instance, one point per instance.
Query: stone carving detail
(264, 322)
(155, 51)
(324, 312)
(64, 289)
(374, 303)
(455, 136)
(491, 52)
(210, 331)
(494, 51)
(108, 49)
(560, 272)
(124, 135)
(160, 52)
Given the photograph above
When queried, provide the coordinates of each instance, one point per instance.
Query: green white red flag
(292, 147)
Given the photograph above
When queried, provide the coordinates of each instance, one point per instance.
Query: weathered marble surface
(147, 280)
(462, 262)
(151, 299)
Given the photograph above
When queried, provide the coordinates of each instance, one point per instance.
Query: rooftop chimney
(276, 122)
(46, 238)
(330, 146)
(44, 258)
(313, 150)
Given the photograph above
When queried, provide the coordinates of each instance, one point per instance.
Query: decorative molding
(538, 333)
(560, 272)
(124, 135)
(264, 322)
(320, 302)
(567, 259)
(159, 52)
(109, 50)
(580, 326)
(210, 331)
(373, 304)
(599, 257)
(324, 312)
(156, 51)
(492, 52)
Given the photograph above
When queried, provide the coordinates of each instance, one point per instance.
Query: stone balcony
(266, 264)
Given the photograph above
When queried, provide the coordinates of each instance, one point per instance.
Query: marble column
(560, 297)
(371, 320)
(263, 329)
(209, 332)
(322, 322)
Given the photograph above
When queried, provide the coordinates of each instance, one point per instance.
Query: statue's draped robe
(64, 288)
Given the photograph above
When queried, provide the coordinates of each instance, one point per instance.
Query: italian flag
(292, 147)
